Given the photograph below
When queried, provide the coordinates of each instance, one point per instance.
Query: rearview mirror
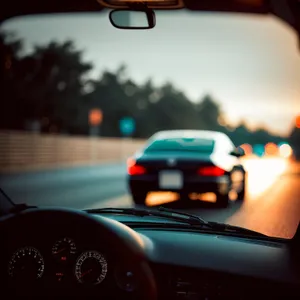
(132, 19)
(238, 152)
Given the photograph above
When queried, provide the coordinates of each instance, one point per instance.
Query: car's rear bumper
(193, 184)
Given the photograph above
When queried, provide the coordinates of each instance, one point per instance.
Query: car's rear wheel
(241, 194)
(139, 198)
(222, 200)
(239, 184)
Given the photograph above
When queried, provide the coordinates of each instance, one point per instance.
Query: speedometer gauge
(64, 249)
(91, 268)
(26, 265)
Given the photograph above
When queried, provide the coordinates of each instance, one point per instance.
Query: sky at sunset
(249, 64)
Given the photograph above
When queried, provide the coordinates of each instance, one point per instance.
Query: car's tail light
(134, 169)
(211, 171)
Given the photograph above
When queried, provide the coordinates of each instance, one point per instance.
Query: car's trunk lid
(186, 161)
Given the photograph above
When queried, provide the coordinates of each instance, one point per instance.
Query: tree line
(51, 87)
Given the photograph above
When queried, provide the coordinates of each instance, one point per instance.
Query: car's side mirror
(238, 152)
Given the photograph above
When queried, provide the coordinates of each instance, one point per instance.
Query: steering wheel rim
(125, 242)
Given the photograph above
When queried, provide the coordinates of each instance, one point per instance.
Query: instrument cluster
(64, 262)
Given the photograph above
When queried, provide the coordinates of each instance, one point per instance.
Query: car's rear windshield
(201, 145)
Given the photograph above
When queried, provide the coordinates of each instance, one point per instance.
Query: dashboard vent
(189, 285)
(185, 283)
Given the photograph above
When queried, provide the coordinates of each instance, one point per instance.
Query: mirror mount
(116, 17)
(234, 153)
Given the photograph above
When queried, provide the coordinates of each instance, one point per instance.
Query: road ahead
(272, 204)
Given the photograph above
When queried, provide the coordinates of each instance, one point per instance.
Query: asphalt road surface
(272, 204)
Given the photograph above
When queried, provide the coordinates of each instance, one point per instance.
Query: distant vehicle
(187, 161)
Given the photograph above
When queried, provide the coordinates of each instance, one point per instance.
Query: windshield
(80, 97)
(182, 144)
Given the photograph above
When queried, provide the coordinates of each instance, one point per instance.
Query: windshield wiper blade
(160, 212)
(190, 219)
(193, 218)
(235, 229)
(214, 225)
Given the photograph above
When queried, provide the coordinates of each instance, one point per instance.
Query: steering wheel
(124, 243)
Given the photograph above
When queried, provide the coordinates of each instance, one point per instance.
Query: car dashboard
(186, 264)
(206, 266)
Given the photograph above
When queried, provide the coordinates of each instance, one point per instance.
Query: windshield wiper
(235, 229)
(161, 212)
(190, 219)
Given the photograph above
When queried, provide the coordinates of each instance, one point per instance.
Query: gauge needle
(86, 272)
(61, 250)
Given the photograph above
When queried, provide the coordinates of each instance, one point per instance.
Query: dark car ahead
(187, 161)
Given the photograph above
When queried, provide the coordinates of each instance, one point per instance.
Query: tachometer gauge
(91, 268)
(64, 249)
(26, 265)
